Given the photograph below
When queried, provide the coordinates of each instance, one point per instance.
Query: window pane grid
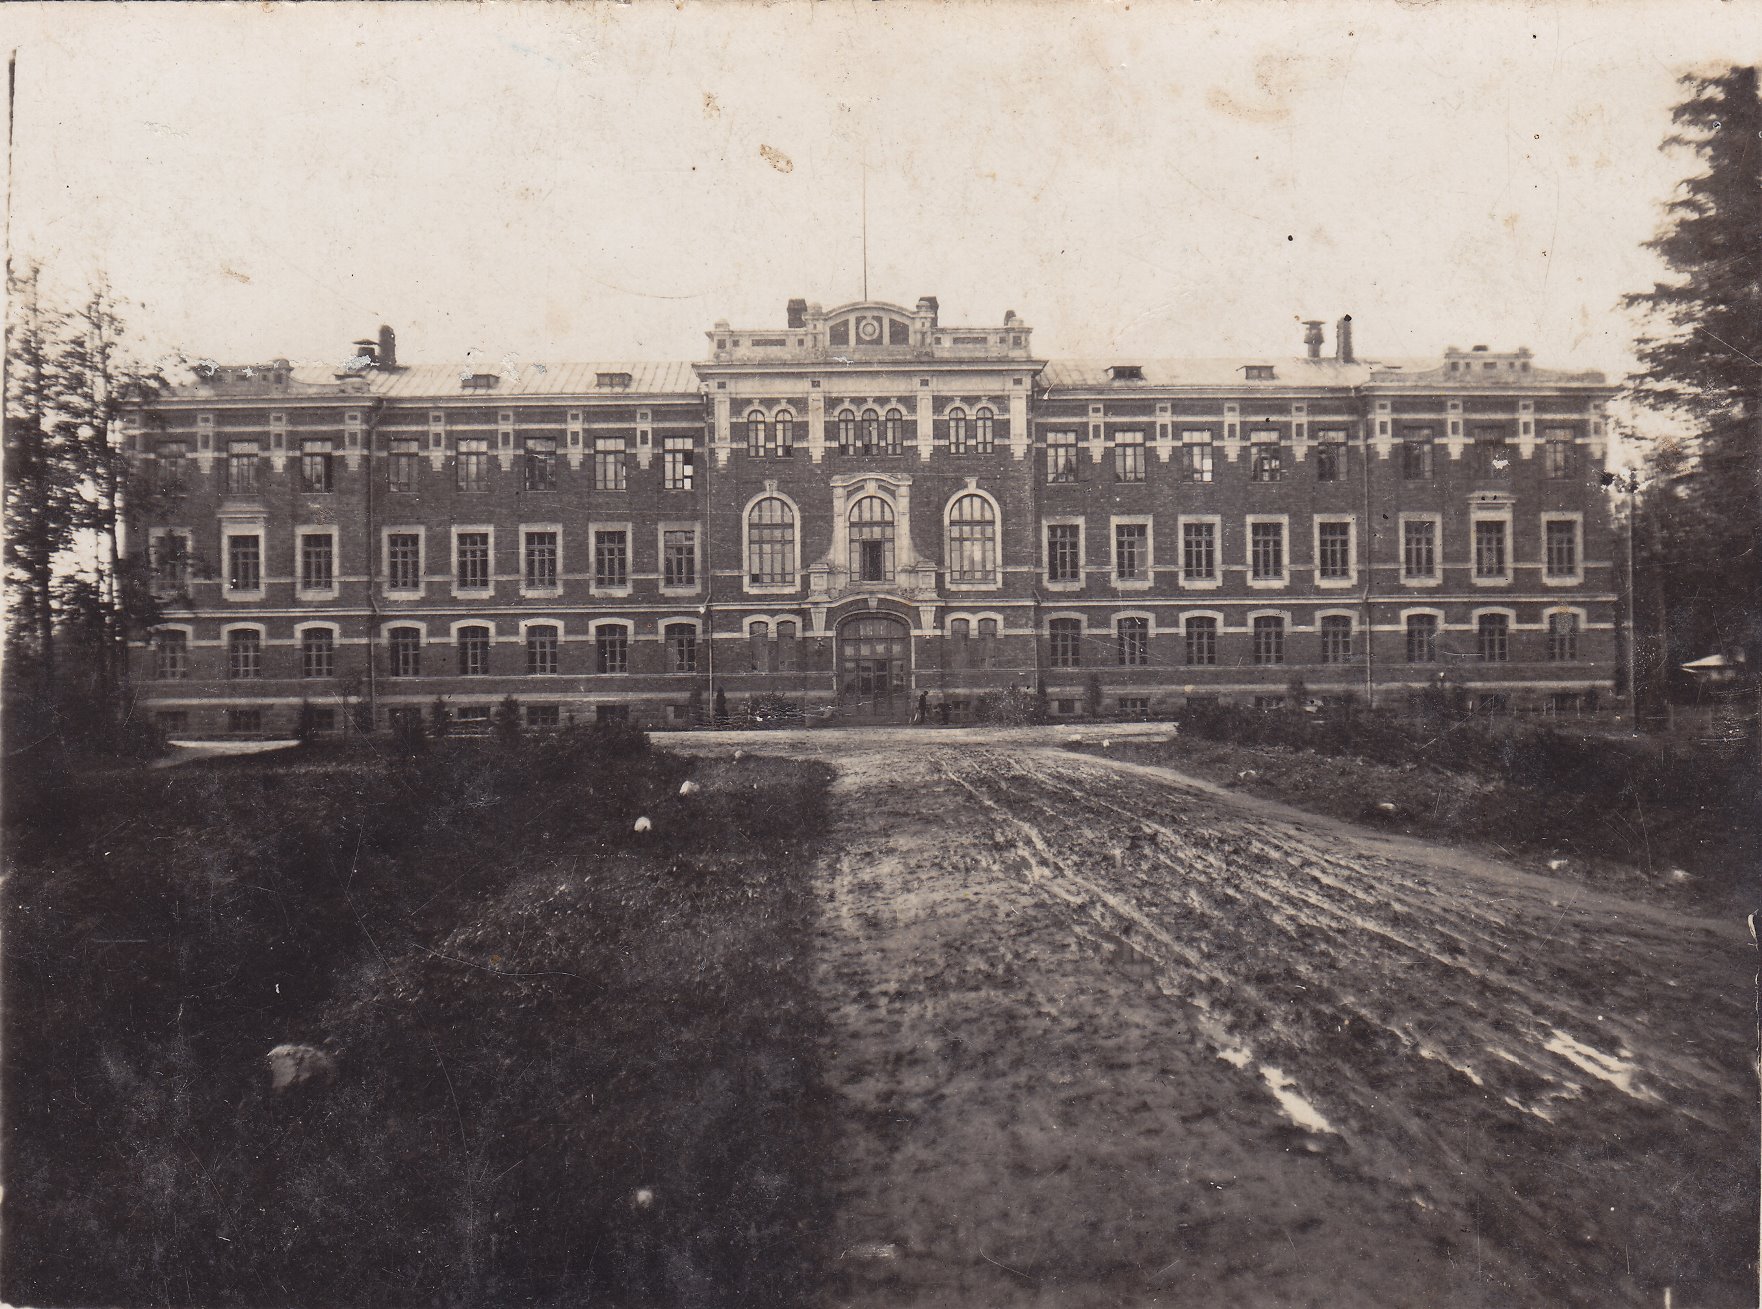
(472, 569)
(1266, 550)
(1064, 553)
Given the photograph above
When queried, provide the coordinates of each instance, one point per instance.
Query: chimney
(798, 313)
(367, 348)
(1312, 336)
(388, 347)
(1343, 340)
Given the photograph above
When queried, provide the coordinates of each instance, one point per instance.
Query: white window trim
(541, 592)
(1501, 515)
(594, 528)
(386, 626)
(227, 532)
(1334, 583)
(1148, 523)
(967, 588)
(1216, 579)
(1064, 520)
(385, 560)
(1114, 619)
(537, 621)
(973, 616)
(747, 585)
(1266, 583)
(226, 631)
(593, 636)
(457, 623)
(471, 592)
(697, 556)
(301, 591)
(1436, 577)
(1577, 519)
(695, 623)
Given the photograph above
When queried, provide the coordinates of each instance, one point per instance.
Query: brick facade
(866, 508)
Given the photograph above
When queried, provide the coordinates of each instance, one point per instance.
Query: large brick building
(866, 507)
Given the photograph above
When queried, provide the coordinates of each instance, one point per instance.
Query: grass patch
(1626, 814)
(573, 1062)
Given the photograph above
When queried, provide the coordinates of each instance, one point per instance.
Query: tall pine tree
(1700, 352)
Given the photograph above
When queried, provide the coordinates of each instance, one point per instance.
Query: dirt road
(1104, 1036)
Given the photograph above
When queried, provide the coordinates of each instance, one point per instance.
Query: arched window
(405, 646)
(755, 433)
(785, 432)
(847, 431)
(473, 651)
(1493, 632)
(957, 431)
(244, 653)
(982, 437)
(972, 541)
(770, 543)
(759, 638)
(895, 420)
(871, 432)
(871, 540)
(171, 655)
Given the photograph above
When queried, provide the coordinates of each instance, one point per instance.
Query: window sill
(771, 588)
(1268, 583)
(242, 597)
(1491, 581)
(390, 594)
(1563, 581)
(686, 591)
(1335, 583)
(610, 592)
(313, 597)
(1201, 583)
(541, 593)
(1422, 581)
(1066, 588)
(971, 588)
(474, 592)
(1132, 584)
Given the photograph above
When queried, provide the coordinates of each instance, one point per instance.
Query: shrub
(508, 727)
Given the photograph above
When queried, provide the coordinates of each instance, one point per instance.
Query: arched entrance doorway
(874, 665)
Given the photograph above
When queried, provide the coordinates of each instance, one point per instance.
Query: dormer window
(1126, 372)
(1258, 372)
(612, 381)
(478, 381)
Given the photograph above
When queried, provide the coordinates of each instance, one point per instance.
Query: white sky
(588, 182)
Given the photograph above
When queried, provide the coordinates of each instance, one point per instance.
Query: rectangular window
(1066, 642)
(1330, 455)
(1196, 448)
(611, 559)
(317, 652)
(1416, 455)
(608, 463)
(403, 552)
(472, 464)
(539, 562)
(1064, 553)
(473, 651)
(1562, 638)
(541, 650)
(1131, 552)
(1199, 552)
(1061, 456)
(401, 470)
(471, 568)
(1561, 547)
(1494, 633)
(1267, 461)
(171, 656)
(244, 722)
(1201, 641)
(1419, 548)
(1489, 548)
(1560, 454)
(241, 468)
(1492, 454)
(786, 647)
(404, 645)
(1336, 639)
(679, 558)
(173, 721)
(1266, 551)
(682, 648)
(171, 560)
(612, 650)
(541, 463)
(1422, 639)
(317, 562)
(676, 463)
(1269, 639)
(984, 432)
(173, 468)
(315, 466)
(543, 717)
(1134, 641)
(1128, 456)
(244, 563)
(244, 655)
(1333, 544)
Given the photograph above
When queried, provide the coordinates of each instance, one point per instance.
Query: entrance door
(874, 654)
